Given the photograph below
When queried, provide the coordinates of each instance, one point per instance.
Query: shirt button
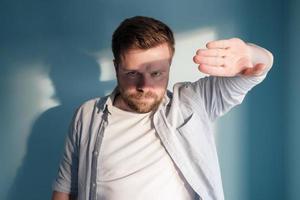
(96, 153)
(94, 184)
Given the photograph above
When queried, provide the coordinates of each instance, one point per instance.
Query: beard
(141, 102)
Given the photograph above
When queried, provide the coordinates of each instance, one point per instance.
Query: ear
(115, 64)
(116, 67)
(170, 61)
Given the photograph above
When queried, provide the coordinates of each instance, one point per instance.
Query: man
(144, 142)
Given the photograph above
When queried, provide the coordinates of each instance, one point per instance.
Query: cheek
(160, 87)
(125, 82)
(161, 83)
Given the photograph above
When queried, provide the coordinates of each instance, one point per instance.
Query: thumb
(257, 70)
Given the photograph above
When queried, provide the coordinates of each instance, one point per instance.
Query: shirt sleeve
(219, 94)
(67, 177)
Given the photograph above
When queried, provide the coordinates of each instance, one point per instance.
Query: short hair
(140, 32)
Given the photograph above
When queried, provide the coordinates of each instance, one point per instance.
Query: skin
(143, 78)
(143, 74)
(62, 196)
(232, 57)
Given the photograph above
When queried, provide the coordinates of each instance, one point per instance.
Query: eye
(132, 74)
(156, 74)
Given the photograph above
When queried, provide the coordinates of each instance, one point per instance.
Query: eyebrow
(147, 71)
(129, 70)
(148, 68)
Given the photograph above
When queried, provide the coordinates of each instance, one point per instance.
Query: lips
(143, 96)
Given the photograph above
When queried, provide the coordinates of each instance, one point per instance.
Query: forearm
(62, 196)
(234, 68)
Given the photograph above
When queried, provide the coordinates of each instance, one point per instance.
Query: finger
(212, 52)
(257, 70)
(212, 70)
(215, 61)
(222, 44)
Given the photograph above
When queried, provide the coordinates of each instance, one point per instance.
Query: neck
(119, 103)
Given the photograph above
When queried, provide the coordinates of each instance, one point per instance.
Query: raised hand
(230, 58)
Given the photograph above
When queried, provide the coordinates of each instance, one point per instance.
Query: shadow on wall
(73, 74)
(60, 33)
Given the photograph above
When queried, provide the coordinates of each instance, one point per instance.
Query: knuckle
(195, 59)
(225, 53)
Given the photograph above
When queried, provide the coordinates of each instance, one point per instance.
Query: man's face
(143, 78)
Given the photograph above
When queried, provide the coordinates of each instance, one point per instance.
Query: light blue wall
(48, 67)
(293, 104)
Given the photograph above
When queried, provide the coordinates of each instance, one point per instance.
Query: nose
(143, 83)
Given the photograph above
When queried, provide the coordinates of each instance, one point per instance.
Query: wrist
(260, 55)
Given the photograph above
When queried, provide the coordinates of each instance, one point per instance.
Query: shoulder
(91, 106)
(183, 90)
(187, 95)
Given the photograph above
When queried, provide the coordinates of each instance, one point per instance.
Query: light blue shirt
(183, 123)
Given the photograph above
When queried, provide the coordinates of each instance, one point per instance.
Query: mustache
(139, 95)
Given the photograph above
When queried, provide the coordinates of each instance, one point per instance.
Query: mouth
(143, 97)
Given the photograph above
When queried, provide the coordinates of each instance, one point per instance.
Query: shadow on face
(142, 89)
(143, 77)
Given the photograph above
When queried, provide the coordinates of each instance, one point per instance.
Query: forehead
(136, 59)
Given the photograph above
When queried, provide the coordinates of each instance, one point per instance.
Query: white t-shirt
(133, 163)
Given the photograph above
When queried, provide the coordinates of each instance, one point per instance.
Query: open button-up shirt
(183, 123)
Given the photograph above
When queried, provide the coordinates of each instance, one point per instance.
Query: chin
(144, 107)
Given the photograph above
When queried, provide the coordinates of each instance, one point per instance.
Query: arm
(65, 184)
(234, 68)
(62, 196)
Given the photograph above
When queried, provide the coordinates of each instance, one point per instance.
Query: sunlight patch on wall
(105, 61)
(183, 68)
(31, 93)
(104, 58)
(33, 85)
